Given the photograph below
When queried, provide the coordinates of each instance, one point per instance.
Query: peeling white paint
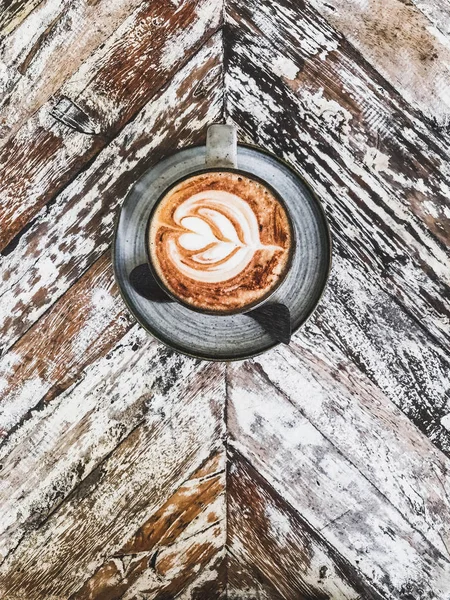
(59, 230)
(284, 67)
(376, 160)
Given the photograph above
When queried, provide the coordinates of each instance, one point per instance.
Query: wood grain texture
(69, 236)
(46, 48)
(245, 581)
(328, 490)
(366, 326)
(83, 325)
(330, 385)
(310, 127)
(49, 46)
(169, 549)
(401, 42)
(265, 532)
(112, 86)
(437, 12)
(313, 472)
(363, 319)
(120, 489)
(14, 12)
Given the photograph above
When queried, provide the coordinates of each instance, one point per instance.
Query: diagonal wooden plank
(45, 47)
(366, 429)
(328, 490)
(167, 552)
(83, 325)
(398, 39)
(69, 237)
(41, 467)
(111, 86)
(265, 532)
(211, 582)
(370, 222)
(166, 428)
(245, 581)
(365, 325)
(390, 140)
(437, 12)
(14, 12)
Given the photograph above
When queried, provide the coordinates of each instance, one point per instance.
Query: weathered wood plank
(437, 12)
(244, 581)
(367, 429)
(166, 426)
(328, 490)
(83, 325)
(111, 87)
(266, 532)
(14, 12)
(387, 344)
(280, 102)
(399, 40)
(167, 552)
(77, 416)
(55, 40)
(211, 583)
(49, 46)
(365, 325)
(80, 222)
(369, 121)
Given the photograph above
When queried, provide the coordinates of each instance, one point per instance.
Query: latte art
(225, 230)
(219, 241)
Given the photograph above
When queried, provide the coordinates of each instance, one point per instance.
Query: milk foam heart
(220, 240)
(223, 227)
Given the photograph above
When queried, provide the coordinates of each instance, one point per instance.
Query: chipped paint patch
(376, 160)
(284, 67)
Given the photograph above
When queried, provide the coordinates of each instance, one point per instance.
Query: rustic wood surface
(318, 471)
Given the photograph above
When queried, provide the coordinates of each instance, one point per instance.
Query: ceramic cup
(221, 155)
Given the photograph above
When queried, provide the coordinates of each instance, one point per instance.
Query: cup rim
(248, 307)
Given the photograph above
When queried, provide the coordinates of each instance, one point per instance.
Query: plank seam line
(10, 348)
(264, 375)
(435, 130)
(74, 490)
(6, 24)
(311, 530)
(157, 548)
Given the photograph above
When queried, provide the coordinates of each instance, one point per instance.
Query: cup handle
(221, 146)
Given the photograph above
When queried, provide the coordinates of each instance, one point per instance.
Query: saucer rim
(246, 355)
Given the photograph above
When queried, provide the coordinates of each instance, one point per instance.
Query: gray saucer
(231, 337)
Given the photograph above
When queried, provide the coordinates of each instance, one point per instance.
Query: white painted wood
(402, 44)
(366, 429)
(55, 39)
(369, 219)
(81, 220)
(327, 490)
(266, 535)
(84, 324)
(154, 43)
(161, 436)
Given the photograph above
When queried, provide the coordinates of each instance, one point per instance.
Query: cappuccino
(220, 241)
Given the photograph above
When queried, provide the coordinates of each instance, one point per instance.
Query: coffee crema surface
(220, 241)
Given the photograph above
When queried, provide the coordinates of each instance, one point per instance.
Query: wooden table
(316, 471)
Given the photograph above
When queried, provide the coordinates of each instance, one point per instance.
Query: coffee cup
(220, 241)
